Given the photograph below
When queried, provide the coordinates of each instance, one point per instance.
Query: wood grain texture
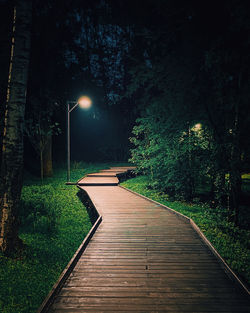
(144, 258)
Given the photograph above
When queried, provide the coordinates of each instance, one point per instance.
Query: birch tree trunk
(235, 180)
(12, 146)
(47, 158)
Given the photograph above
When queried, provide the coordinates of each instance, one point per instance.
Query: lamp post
(84, 102)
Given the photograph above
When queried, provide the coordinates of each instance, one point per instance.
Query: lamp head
(84, 102)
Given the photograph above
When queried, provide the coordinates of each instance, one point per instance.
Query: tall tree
(5, 32)
(39, 129)
(12, 146)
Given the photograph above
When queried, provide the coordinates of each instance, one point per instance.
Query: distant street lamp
(84, 102)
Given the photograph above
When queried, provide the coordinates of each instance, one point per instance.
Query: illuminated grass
(54, 223)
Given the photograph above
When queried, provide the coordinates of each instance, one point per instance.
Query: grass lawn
(53, 224)
(231, 242)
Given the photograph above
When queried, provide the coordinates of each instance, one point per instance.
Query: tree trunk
(218, 188)
(234, 186)
(190, 188)
(41, 164)
(235, 165)
(12, 147)
(234, 195)
(47, 158)
(219, 168)
(5, 44)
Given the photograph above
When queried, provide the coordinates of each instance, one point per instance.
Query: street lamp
(84, 102)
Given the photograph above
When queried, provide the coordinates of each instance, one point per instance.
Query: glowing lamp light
(197, 127)
(84, 102)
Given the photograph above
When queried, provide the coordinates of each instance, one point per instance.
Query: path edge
(232, 275)
(48, 301)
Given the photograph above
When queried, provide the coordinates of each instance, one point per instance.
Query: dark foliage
(192, 76)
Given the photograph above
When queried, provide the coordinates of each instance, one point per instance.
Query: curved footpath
(144, 258)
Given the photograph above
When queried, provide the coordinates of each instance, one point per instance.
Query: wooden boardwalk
(144, 258)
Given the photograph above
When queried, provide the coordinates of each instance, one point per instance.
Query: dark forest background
(168, 79)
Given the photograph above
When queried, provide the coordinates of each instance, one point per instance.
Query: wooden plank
(119, 282)
(146, 294)
(153, 308)
(101, 300)
(129, 308)
(146, 309)
(98, 181)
